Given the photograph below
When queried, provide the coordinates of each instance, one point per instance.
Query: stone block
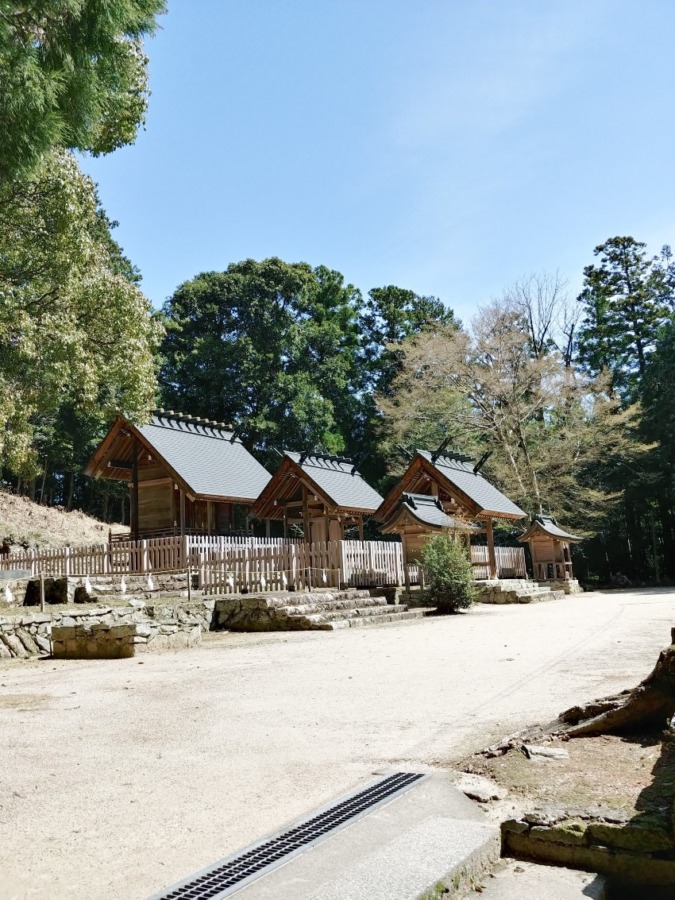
(642, 839)
(27, 640)
(630, 867)
(572, 833)
(13, 644)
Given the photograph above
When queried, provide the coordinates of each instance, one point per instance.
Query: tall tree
(74, 329)
(658, 425)
(72, 75)
(390, 315)
(271, 347)
(554, 433)
(626, 299)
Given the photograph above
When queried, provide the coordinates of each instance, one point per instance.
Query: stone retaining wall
(24, 590)
(633, 851)
(98, 640)
(157, 627)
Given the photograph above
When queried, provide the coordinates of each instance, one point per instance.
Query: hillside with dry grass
(28, 524)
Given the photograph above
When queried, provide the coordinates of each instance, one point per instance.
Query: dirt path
(119, 777)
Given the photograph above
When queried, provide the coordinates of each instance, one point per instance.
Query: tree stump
(650, 704)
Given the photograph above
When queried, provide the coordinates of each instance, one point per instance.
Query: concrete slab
(514, 880)
(432, 833)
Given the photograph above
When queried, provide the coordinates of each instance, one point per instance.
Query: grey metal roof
(429, 511)
(549, 526)
(206, 457)
(338, 479)
(460, 472)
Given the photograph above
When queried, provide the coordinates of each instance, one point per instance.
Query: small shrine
(454, 487)
(550, 549)
(417, 517)
(319, 493)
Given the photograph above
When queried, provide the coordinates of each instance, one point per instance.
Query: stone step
(367, 611)
(330, 605)
(384, 619)
(540, 595)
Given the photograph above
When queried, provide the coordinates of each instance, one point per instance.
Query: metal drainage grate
(230, 875)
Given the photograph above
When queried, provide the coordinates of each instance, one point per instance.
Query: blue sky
(443, 146)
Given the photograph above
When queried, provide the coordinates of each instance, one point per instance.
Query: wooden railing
(232, 564)
(510, 562)
(226, 564)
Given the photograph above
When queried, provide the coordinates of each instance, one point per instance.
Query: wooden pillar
(305, 514)
(285, 521)
(360, 528)
(406, 573)
(267, 528)
(182, 512)
(491, 548)
(134, 490)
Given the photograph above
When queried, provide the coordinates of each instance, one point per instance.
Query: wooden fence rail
(231, 564)
(510, 562)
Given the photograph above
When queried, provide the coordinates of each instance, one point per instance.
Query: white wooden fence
(233, 564)
(510, 562)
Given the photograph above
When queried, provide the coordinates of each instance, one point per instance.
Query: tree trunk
(651, 703)
(667, 532)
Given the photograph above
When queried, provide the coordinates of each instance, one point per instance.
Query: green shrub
(448, 573)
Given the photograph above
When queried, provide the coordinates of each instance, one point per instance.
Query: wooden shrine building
(185, 474)
(320, 493)
(550, 549)
(463, 494)
(416, 517)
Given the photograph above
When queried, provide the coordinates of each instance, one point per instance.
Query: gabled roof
(205, 457)
(333, 478)
(455, 477)
(426, 511)
(548, 525)
(460, 471)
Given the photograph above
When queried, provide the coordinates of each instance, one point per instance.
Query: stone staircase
(514, 590)
(326, 610)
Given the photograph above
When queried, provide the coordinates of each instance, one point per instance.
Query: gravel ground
(119, 777)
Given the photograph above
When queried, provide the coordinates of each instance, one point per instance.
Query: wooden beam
(120, 464)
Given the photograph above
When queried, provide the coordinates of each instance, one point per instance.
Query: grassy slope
(25, 522)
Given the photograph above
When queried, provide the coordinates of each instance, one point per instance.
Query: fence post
(67, 562)
(189, 583)
(144, 556)
(42, 592)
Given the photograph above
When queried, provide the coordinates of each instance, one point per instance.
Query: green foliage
(75, 331)
(449, 574)
(626, 299)
(390, 315)
(270, 347)
(72, 75)
(297, 343)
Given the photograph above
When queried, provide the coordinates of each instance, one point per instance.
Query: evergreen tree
(72, 75)
(626, 299)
